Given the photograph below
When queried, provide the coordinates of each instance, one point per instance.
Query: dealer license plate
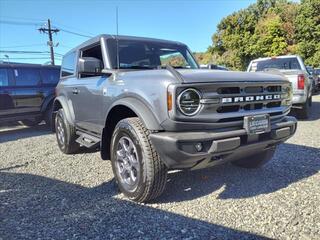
(257, 124)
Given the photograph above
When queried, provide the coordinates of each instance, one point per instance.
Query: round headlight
(189, 102)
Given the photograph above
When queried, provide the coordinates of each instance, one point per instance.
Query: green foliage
(268, 28)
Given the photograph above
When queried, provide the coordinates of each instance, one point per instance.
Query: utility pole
(49, 30)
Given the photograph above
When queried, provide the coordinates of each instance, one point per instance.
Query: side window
(92, 52)
(27, 76)
(175, 59)
(68, 65)
(4, 78)
(50, 76)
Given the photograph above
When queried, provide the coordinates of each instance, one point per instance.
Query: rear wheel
(256, 160)
(304, 112)
(138, 169)
(48, 116)
(66, 134)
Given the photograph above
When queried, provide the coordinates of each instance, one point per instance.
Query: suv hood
(205, 76)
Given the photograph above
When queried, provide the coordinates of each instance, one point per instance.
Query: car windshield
(148, 54)
(275, 63)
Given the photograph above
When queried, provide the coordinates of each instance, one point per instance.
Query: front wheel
(256, 160)
(138, 169)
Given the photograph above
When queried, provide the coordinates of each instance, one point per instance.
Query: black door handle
(75, 91)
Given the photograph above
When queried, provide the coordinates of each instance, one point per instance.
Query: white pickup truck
(293, 68)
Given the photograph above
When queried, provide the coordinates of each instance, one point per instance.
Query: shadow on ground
(314, 112)
(35, 207)
(290, 164)
(16, 132)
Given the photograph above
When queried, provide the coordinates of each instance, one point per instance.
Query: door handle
(75, 91)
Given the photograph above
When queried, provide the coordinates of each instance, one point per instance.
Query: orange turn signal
(169, 101)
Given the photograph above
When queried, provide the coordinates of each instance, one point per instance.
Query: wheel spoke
(128, 166)
(132, 175)
(120, 154)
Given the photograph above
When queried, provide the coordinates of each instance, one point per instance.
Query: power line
(29, 45)
(22, 18)
(77, 30)
(74, 33)
(6, 51)
(30, 52)
(20, 23)
(27, 58)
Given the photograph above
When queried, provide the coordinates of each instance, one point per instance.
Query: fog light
(198, 146)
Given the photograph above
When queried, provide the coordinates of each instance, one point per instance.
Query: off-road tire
(304, 112)
(153, 172)
(69, 145)
(256, 160)
(48, 117)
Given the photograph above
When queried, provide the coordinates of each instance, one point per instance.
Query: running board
(87, 140)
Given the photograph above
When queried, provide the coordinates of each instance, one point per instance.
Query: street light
(7, 57)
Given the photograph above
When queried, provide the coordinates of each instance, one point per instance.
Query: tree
(268, 28)
(307, 32)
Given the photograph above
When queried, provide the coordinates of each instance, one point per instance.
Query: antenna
(117, 25)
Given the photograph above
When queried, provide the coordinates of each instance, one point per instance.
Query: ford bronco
(149, 108)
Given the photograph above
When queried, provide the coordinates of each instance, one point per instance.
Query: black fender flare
(61, 100)
(141, 109)
(46, 103)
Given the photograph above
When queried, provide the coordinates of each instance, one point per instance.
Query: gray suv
(148, 107)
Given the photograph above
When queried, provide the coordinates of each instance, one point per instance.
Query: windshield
(141, 54)
(275, 63)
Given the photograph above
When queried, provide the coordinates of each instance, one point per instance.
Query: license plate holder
(257, 124)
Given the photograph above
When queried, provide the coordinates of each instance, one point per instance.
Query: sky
(192, 22)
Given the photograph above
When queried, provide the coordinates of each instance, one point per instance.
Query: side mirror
(89, 65)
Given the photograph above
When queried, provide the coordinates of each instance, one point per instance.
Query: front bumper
(178, 151)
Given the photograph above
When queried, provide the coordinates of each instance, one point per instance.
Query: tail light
(301, 80)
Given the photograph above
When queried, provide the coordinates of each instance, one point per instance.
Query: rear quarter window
(50, 76)
(27, 76)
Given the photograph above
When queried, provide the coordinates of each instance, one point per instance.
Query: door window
(4, 79)
(27, 76)
(94, 52)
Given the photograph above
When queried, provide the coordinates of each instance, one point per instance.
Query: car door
(87, 94)
(28, 94)
(7, 105)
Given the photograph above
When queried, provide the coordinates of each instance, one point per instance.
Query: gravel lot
(45, 194)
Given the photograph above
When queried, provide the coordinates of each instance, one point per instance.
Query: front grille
(248, 98)
(228, 90)
(228, 102)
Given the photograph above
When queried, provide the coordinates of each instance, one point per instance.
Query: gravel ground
(45, 194)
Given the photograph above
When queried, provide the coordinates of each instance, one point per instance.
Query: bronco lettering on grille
(250, 98)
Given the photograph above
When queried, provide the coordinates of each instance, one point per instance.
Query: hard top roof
(121, 37)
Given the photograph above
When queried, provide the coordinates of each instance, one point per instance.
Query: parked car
(317, 77)
(213, 66)
(118, 93)
(293, 68)
(27, 92)
(313, 77)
